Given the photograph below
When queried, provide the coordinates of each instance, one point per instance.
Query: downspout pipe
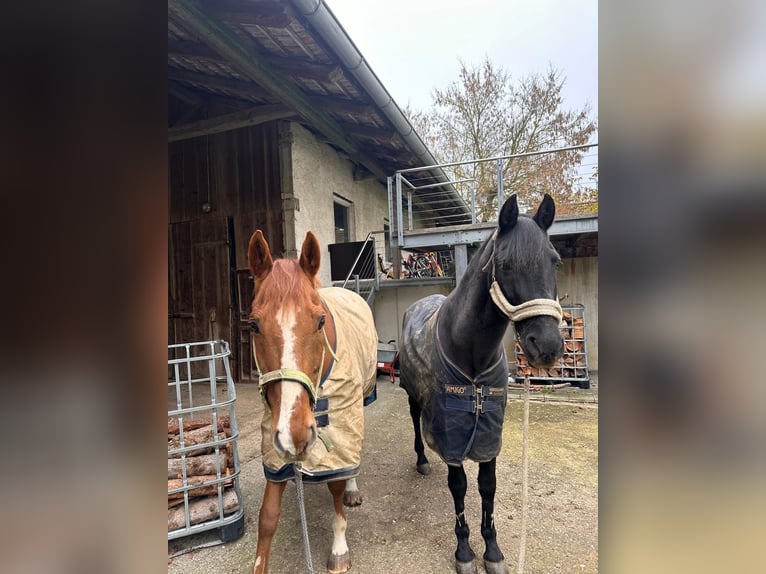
(326, 24)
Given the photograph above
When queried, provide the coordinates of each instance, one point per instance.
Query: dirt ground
(405, 524)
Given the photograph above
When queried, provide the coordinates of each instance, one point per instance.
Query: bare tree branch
(484, 113)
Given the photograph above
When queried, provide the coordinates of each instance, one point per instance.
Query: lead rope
(298, 472)
(524, 480)
(302, 511)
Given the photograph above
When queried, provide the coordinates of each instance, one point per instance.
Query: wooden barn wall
(237, 173)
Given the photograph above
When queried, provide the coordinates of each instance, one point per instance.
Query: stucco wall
(318, 173)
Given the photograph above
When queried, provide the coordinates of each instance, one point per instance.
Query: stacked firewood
(202, 466)
(571, 365)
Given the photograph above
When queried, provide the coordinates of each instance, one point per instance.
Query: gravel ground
(405, 524)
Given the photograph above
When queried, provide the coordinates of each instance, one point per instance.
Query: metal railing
(370, 266)
(417, 201)
(364, 275)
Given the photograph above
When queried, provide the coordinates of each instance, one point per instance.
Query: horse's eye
(320, 324)
(255, 327)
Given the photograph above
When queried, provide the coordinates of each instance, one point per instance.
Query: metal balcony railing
(478, 188)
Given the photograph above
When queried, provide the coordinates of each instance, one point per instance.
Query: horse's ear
(509, 214)
(259, 255)
(545, 213)
(310, 256)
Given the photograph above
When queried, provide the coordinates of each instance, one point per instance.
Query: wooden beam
(307, 69)
(290, 66)
(217, 82)
(187, 49)
(184, 94)
(369, 132)
(227, 122)
(267, 14)
(254, 66)
(337, 105)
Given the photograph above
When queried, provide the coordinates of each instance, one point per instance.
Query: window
(342, 231)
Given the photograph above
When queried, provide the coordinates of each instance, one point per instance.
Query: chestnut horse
(316, 354)
(453, 365)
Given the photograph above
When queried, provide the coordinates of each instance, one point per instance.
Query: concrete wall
(318, 174)
(391, 303)
(578, 277)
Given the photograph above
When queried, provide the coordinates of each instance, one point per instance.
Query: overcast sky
(413, 46)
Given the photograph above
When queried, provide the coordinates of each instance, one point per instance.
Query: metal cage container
(573, 366)
(200, 385)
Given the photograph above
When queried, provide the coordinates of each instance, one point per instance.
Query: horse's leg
(339, 560)
(351, 495)
(268, 520)
(422, 464)
(494, 561)
(464, 555)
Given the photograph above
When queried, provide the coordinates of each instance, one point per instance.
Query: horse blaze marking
(290, 390)
(286, 320)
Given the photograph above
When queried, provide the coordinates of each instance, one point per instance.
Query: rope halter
(525, 310)
(294, 375)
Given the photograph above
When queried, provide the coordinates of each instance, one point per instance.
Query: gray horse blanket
(462, 417)
(339, 409)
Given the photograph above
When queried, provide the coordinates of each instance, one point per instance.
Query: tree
(484, 114)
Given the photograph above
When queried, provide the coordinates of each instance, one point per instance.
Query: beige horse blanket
(339, 412)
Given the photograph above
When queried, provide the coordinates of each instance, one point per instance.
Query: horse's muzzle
(542, 342)
(295, 446)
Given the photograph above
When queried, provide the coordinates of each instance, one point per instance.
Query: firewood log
(202, 509)
(195, 492)
(192, 424)
(198, 465)
(194, 437)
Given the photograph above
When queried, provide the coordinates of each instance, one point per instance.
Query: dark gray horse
(453, 365)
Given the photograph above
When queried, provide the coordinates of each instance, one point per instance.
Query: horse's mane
(286, 282)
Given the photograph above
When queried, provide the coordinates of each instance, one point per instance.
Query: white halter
(531, 308)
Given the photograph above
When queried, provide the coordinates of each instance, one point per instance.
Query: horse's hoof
(466, 567)
(338, 563)
(352, 498)
(424, 469)
(495, 567)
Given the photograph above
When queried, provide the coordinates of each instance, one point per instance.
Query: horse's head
(525, 272)
(289, 344)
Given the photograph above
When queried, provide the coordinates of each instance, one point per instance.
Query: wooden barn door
(200, 281)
